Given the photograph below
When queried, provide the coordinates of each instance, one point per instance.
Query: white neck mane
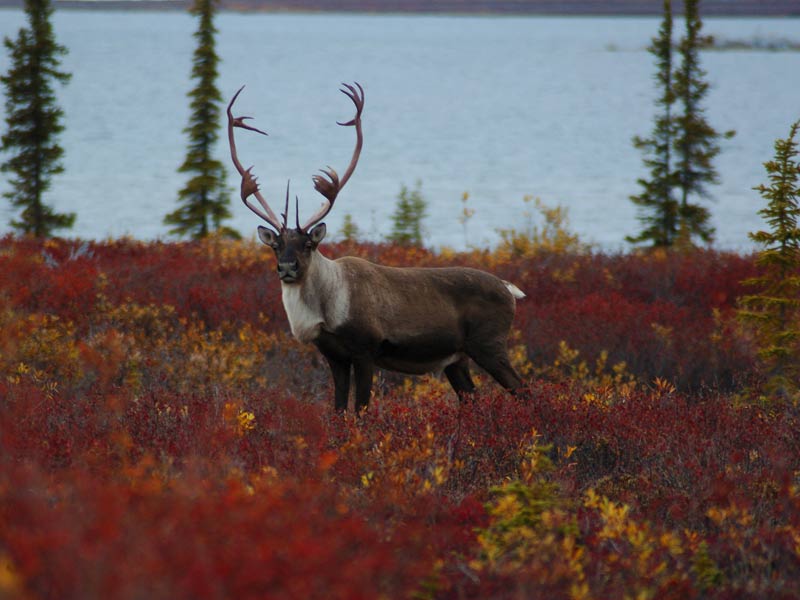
(321, 301)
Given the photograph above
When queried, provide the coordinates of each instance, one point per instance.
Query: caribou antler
(328, 184)
(249, 183)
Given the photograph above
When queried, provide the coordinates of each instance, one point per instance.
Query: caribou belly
(419, 366)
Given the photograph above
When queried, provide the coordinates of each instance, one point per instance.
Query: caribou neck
(321, 301)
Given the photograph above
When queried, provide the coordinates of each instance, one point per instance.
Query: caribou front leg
(340, 363)
(363, 370)
(340, 369)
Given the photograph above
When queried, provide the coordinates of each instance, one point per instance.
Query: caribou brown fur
(361, 315)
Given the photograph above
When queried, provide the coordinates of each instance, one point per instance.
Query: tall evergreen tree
(775, 307)
(204, 200)
(658, 207)
(34, 121)
(697, 143)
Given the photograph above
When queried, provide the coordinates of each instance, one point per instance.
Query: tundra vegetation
(162, 435)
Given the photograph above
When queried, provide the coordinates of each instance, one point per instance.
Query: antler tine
(355, 121)
(358, 99)
(249, 183)
(331, 186)
(286, 207)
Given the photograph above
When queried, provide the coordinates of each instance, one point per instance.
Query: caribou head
(294, 247)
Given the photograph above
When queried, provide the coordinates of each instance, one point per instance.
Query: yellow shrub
(602, 384)
(554, 236)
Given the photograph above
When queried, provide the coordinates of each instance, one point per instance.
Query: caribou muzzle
(289, 272)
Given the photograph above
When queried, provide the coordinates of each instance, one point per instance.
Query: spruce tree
(350, 230)
(34, 121)
(203, 202)
(696, 144)
(658, 207)
(775, 307)
(408, 216)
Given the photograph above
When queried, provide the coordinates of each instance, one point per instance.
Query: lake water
(497, 107)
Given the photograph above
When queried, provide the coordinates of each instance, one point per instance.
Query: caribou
(361, 315)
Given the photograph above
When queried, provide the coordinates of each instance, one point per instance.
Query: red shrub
(148, 451)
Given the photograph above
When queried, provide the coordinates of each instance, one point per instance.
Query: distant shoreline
(709, 8)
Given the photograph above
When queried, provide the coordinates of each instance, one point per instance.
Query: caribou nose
(288, 270)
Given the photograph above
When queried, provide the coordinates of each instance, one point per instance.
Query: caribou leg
(459, 378)
(496, 363)
(363, 371)
(340, 369)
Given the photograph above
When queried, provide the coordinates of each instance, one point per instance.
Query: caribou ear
(318, 233)
(269, 237)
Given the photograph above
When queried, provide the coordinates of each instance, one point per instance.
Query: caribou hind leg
(504, 374)
(495, 361)
(487, 345)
